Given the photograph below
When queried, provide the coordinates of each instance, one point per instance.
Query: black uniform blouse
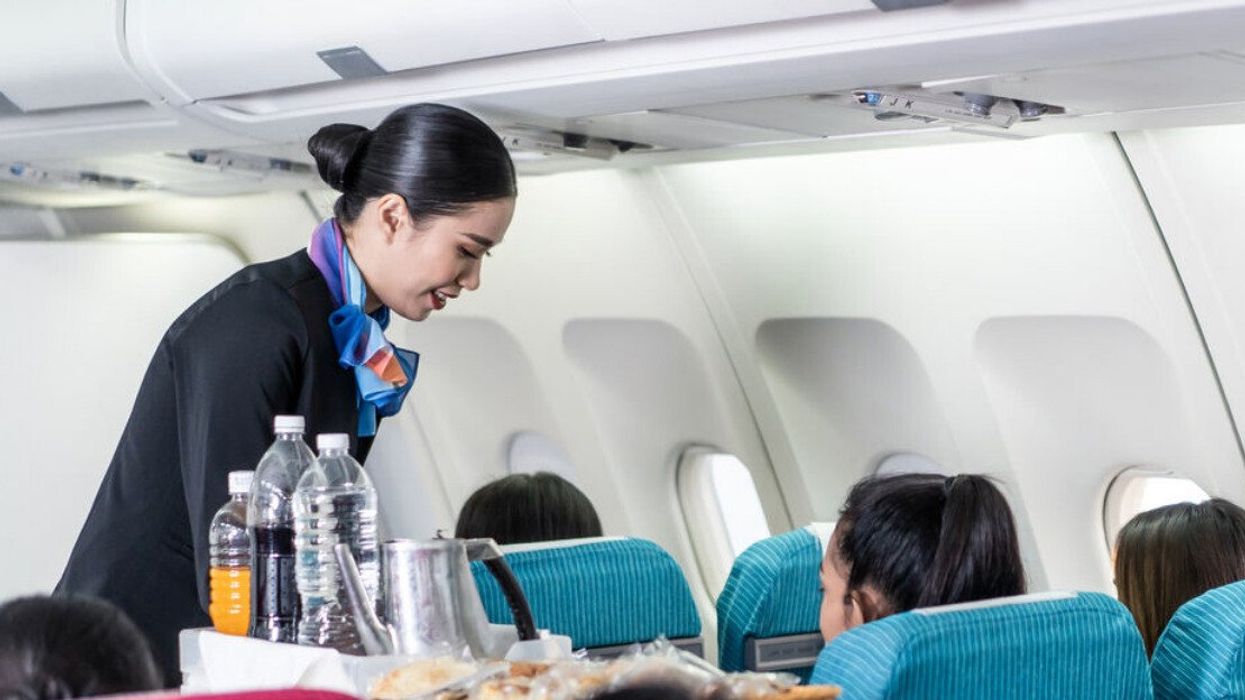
(256, 346)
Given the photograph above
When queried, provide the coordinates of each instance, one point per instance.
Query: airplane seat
(768, 610)
(1051, 645)
(605, 593)
(1201, 653)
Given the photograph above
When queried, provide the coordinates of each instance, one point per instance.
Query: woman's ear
(392, 213)
(868, 605)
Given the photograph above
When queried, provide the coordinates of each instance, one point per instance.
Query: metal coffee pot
(428, 598)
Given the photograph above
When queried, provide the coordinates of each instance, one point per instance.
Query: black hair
(439, 159)
(528, 508)
(68, 647)
(922, 540)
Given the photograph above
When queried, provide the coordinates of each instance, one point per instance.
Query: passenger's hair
(68, 647)
(922, 540)
(1170, 555)
(439, 159)
(528, 508)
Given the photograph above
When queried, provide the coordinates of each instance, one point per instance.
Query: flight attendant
(425, 196)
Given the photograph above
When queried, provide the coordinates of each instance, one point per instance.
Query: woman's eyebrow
(479, 239)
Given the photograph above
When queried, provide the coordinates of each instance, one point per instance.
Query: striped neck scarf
(383, 372)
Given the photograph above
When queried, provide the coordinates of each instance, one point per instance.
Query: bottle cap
(240, 482)
(332, 441)
(288, 424)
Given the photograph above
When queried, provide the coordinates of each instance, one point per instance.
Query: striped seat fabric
(600, 592)
(1201, 653)
(772, 591)
(1045, 645)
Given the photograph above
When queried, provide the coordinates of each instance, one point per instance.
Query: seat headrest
(1044, 645)
(600, 592)
(1201, 653)
(773, 590)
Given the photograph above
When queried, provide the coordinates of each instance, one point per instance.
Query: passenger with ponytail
(425, 195)
(914, 541)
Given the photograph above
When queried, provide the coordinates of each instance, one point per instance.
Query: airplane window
(1139, 489)
(722, 510)
(908, 463)
(532, 452)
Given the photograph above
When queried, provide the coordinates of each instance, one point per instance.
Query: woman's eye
(468, 253)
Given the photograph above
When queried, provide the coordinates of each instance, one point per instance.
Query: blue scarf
(383, 372)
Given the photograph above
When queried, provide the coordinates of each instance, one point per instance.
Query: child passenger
(1167, 556)
(916, 540)
(528, 508)
(71, 647)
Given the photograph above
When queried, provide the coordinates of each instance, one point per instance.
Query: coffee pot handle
(519, 607)
(486, 550)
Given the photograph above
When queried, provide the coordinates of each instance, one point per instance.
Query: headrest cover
(1201, 653)
(773, 590)
(1086, 646)
(600, 593)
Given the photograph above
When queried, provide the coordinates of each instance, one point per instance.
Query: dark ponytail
(439, 159)
(922, 540)
(978, 554)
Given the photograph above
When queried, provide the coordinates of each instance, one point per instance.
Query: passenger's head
(528, 508)
(65, 647)
(1167, 556)
(916, 540)
(425, 195)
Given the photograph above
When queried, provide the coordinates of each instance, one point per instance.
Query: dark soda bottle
(270, 524)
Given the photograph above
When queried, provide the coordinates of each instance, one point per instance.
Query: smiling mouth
(439, 299)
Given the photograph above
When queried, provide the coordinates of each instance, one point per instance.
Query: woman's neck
(370, 302)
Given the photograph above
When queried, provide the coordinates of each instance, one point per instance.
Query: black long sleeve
(256, 346)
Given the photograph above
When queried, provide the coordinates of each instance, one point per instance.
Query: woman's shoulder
(263, 298)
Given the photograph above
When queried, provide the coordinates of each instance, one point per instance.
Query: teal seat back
(772, 591)
(1201, 653)
(600, 593)
(1076, 645)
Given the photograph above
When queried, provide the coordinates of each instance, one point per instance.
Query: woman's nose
(470, 280)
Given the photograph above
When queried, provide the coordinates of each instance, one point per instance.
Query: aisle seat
(604, 593)
(768, 610)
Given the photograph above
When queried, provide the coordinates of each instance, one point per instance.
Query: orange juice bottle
(229, 549)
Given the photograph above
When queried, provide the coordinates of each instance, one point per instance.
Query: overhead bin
(195, 51)
(58, 54)
(635, 19)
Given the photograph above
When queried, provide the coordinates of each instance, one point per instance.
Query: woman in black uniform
(424, 197)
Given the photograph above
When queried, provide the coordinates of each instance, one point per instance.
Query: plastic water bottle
(270, 524)
(229, 552)
(334, 502)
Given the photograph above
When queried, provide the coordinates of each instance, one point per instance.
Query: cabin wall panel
(476, 388)
(934, 242)
(83, 318)
(596, 295)
(1191, 179)
(851, 387)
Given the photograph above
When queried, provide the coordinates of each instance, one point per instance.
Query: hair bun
(335, 148)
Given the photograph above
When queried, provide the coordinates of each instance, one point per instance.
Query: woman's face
(840, 610)
(417, 269)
